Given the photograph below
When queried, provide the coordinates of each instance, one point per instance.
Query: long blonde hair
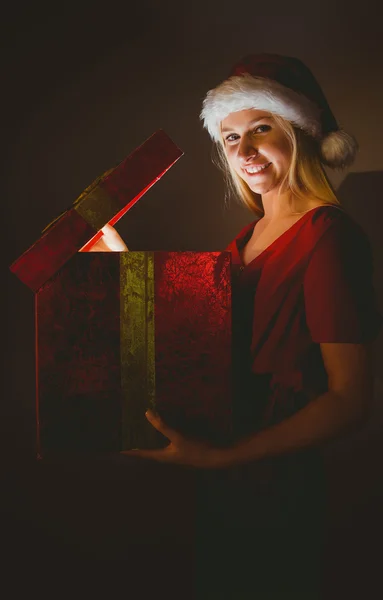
(305, 179)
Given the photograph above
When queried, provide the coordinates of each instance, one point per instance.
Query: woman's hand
(110, 241)
(181, 450)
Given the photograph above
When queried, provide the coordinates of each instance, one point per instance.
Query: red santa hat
(283, 86)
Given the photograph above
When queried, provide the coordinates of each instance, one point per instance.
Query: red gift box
(120, 332)
(117, 333)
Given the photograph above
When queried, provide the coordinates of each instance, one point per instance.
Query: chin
(264, 187)
(260, 189)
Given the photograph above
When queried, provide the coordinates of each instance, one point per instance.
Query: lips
(255, 169)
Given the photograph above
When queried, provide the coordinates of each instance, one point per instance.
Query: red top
(313, 284)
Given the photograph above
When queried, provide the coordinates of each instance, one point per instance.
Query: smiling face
(257, 149)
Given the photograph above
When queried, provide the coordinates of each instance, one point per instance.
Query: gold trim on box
(97, 208)
(88, 217)
(137, 350)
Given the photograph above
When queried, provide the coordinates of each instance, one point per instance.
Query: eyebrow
(225, 129)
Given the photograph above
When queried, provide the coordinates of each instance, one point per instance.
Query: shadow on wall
(354, 459)
(361, 196)
(353, 462)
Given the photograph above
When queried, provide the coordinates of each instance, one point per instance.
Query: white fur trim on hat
(338, 149)
(243, 92)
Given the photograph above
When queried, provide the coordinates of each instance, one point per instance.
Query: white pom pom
(339, 149)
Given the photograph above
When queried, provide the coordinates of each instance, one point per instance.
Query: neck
(276, 206)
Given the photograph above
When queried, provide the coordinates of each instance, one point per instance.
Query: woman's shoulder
(328, 212)
(335, 217)
(332, 226)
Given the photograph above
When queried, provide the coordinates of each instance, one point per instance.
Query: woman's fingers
(100, 246)
(165, 455)
(181, 450)
(111, 241)
(172, 435)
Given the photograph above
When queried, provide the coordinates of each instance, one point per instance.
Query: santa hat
(283, 86)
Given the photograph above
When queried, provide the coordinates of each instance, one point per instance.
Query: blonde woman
(304, 321)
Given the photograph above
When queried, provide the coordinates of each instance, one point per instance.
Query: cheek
(231, 159)
(229, 153)
(282, 155)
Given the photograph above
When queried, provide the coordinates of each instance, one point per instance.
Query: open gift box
(117, 333)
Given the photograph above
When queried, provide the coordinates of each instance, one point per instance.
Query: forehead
(242, 118)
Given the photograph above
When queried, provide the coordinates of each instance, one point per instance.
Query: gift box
(117, 333)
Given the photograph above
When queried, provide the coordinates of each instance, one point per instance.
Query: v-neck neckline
(270, 246)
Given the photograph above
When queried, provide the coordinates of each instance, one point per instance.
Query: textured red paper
(98, 346)
(52, 250)
(193, 337)
(78, 356)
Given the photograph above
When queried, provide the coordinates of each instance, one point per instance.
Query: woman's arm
(341, 409)
(346, 405)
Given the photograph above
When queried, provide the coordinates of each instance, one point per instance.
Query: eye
(232, 137)
(262, 129)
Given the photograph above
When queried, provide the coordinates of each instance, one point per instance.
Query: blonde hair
(305, 179)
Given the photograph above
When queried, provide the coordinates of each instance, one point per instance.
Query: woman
(304, 321)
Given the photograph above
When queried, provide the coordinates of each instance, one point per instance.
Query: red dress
(312, 285)
(262, 521)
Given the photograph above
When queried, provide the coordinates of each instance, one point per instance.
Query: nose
(247, 150)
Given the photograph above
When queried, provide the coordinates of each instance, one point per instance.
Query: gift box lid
(105, 201)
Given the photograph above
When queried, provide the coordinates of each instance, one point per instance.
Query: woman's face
(257, 149)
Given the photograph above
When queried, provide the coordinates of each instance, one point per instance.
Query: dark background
(82, 87)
